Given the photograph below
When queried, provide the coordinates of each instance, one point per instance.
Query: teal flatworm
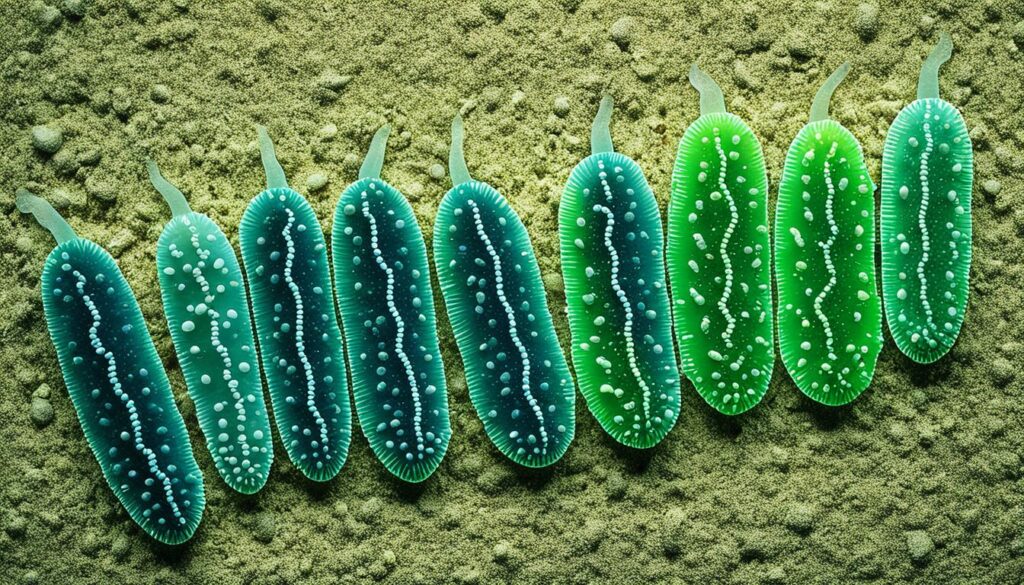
(117, 383)
(830, 315)
(927, 177)
(518, 379)
(285, 259)
(719, 256)
(387, 307)
(619, 314)
(208, 316)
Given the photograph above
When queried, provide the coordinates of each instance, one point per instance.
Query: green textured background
(919, 479)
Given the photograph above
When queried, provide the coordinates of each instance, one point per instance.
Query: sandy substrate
(918, 480)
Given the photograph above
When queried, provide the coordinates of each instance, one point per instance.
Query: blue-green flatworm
(830, 315)
(208, 316)
(285, 259)
(619, 314)
(518, 379)
(927, 176)
(387, 306)
(117, 383)
(719, 256)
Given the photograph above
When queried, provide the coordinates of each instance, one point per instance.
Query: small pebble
(49, 18)
(43, 391)
(1018, 34)
(866, 21)
(1003, 372)
(992, 187)
(41, 412)
(74, 9)
(265, 528)
(517, 98)
(622, 31)
(561, 106)
(89, 158)
(46, 139)
(436, 171)
(316, 182)
(920, 546)
(553, 282)
(333, 81)
(100, 190)
(501, 552)
(120, 548)
(160, 93)
(370, 511)
(615, 486)
(800, 519)
(328, 132)
(15, 526)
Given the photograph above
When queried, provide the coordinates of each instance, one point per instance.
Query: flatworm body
(387, 306)
(719, 256)
(927, 176)
(830, 329)
(207, 313)
(285, 258)
(117, 383)
(518, 379)
(614, 273)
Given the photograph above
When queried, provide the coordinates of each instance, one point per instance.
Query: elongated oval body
(518, 379)
(829, 311)
(120, 391)
(927, 176)
(719, 262)
(285, 260)
(207, 313)
(619, 314)
(387, 306)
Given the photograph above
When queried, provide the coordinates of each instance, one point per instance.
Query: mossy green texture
(207, 312)
(829, 312)
(517, 376)
(387, 307)
(927, 176)
(285, 258)
(719, 257)
(117, 383)
(614, 273)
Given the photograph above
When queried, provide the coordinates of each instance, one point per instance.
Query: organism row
(718, 260)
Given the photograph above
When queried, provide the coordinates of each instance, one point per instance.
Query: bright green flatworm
(619, 313)
(208, 316)
(830, 315)
(719, 256)
(927, 176)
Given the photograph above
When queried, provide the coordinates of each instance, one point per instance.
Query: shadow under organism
(176, 555)
(635, 460)
(827, 418)
(409, 493)
(532, 478)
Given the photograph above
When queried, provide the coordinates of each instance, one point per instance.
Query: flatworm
(285, 259)
(117, 383)
(927, 177)
(830, 315)
(208, 316)
(518, 379)
(619, 313)
(387, 307)
(719, 256)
